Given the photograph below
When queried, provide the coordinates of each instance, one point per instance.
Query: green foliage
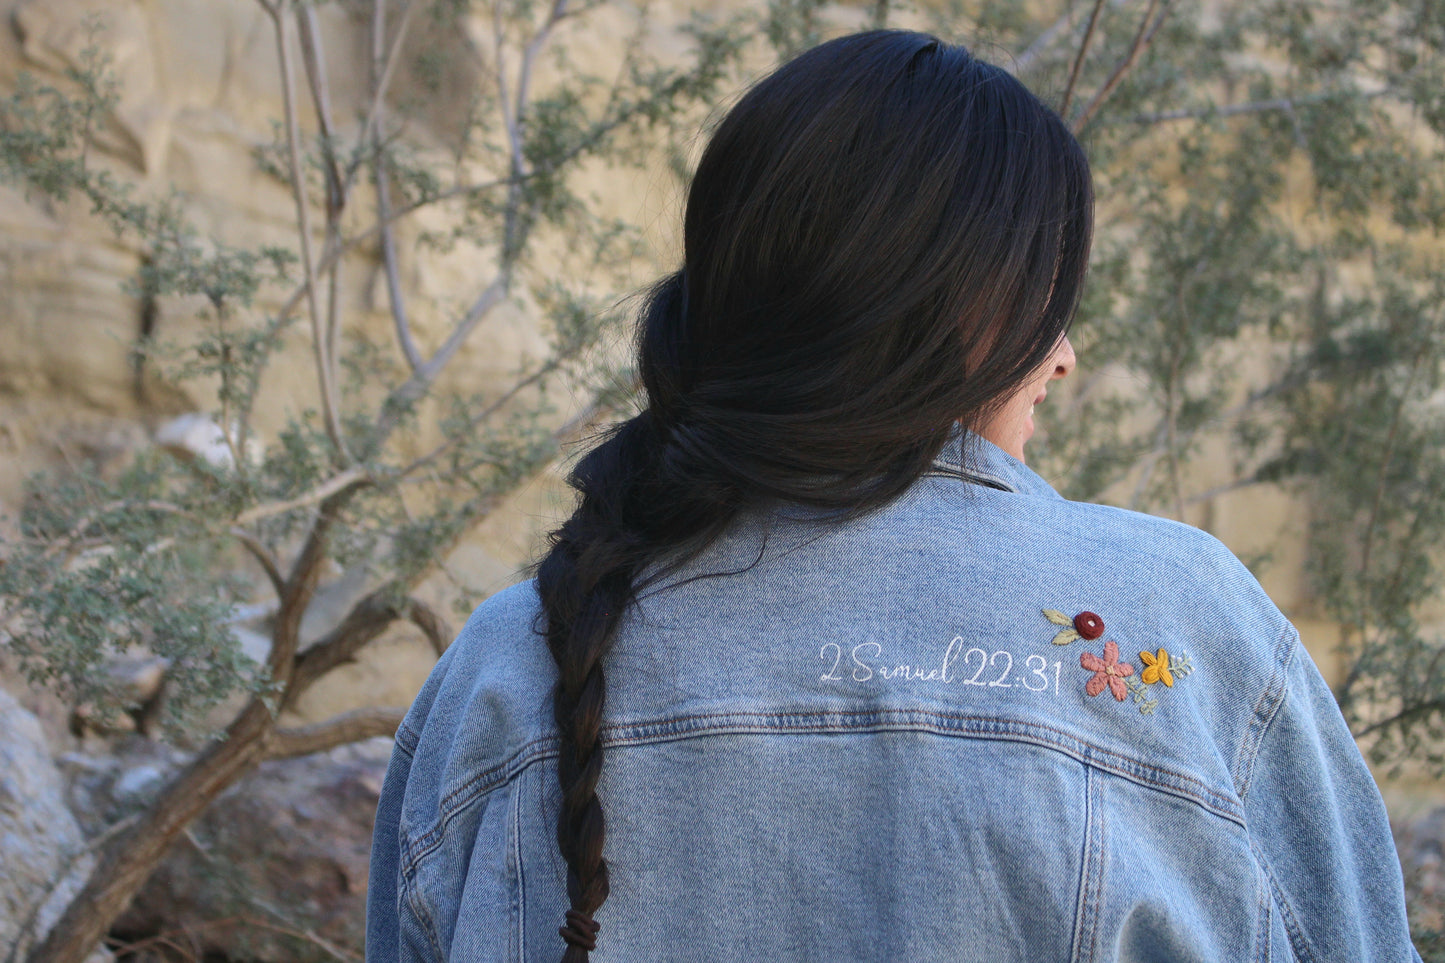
(1270, 180)
(161, 557)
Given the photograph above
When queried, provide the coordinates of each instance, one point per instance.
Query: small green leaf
(1058, 618)
(1065, 636)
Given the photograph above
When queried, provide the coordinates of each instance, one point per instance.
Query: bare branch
(337, 192)
(411, 390)
(300, 587)
(529, 59)
(338, 248)
(481, 416)
(1050, 34)
(364, 622)
(339, 730)
(324, 363)
(1079, 57)
(504, 100)
(262, 555)
(1035, 49)
(352, 477)
(432, 625)
(372, 124)
(314, 60)
(1142, 39)
(1247, 481)
(89, 519)
(383, 201)
(1404, 715)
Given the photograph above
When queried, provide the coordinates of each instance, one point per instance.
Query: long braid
(883, 238)
(640, 499)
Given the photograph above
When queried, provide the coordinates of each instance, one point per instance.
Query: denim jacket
(983, 723)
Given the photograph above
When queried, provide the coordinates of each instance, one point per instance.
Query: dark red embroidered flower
(1088, 625)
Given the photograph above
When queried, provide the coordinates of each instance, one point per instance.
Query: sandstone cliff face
(198, 96)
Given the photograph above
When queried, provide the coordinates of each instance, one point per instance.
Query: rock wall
(198, 95)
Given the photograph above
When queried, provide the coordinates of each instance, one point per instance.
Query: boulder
(41, 845)
(1421, 842)
(276, 868)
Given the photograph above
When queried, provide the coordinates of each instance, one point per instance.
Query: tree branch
(1142, 38)
(339, 730)
(89, 519)
(324, 363)
(368, 619)
(372, 124)
(261, 554)
(299, 590)
(1404, 715)
(314, 60)
(432, 625)
(352, 477)
(481, 416)
(412, 390)
(383, 201)
(1079, 58)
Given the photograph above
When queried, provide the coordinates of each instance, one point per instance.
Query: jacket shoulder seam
(407, 739)
(1266, 709)
(479, 784)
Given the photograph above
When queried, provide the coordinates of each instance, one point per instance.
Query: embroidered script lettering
(957, 666)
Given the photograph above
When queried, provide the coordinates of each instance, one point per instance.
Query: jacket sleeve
(383, 923)
(1318, 825)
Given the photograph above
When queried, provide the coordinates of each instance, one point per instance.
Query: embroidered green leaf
(1058, 618)
(1065, 636)
(1142, 699)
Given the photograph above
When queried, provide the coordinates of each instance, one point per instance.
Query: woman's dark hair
(884, 237)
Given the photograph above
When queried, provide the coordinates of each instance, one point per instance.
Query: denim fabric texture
(864, 740)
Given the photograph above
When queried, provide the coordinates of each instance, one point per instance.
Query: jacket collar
(974, 459)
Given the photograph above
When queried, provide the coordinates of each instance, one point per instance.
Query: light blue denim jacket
(886, 740)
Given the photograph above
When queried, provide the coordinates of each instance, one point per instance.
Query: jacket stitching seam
(1298, 944)
(1085, 887)
(1266, 710)
(987, 481)
(519, 932)
(1262, 923)
(407, 739)
(423, 918)
(1174, 783)
(1101, 851)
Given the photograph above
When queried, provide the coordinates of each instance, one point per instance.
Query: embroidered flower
(1085, 625)
(1088, 625)
(1108, 671)
(1158, 668)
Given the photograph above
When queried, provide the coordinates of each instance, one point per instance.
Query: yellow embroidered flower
(1156, 668)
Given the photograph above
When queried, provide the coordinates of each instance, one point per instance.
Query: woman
(813, 672)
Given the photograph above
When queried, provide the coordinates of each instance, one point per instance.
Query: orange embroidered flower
(1157, 668)
(1108, 671)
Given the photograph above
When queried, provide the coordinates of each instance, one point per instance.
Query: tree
(1268, 281)
(1265, 311)
(150, 559)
